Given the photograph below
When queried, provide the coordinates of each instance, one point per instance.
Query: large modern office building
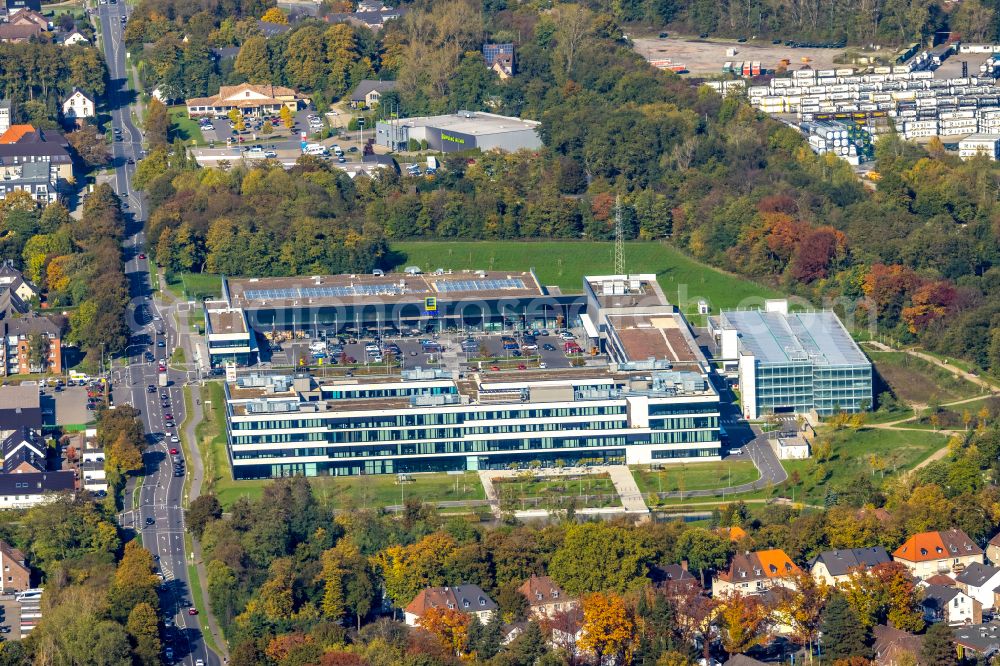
(464, 130)
(650, 401)
(794, 362)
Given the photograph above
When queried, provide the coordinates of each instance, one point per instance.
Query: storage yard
(702, 57)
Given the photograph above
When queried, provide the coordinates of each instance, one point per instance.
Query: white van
(337, 151)
(316, 149)
(256, 154)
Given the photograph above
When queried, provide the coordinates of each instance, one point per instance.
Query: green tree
(143, 629)
(843, 634)
(938, 647)
(203, 510)
(704, 550)
(157, 123)
(600, 557)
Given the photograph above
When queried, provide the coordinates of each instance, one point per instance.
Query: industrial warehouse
(651, 400)
(464, 130)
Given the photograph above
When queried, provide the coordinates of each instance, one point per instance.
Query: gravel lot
(702, 56)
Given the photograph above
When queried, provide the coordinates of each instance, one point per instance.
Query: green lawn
(915, 380)
(335, 492)
(564, 263)
(896, 450)
(694, 476)
(196, 286)
(184, 127)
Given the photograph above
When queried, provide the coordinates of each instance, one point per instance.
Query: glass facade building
(795, 362)
(433, 424)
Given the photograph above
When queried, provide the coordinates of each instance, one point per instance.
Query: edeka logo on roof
(453, 139)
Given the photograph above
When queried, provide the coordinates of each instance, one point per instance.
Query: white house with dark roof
(79, 105)
(835, 566)
(468, 599)
(980, 581)
(950, 605)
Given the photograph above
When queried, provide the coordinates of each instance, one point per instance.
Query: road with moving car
(152, 507)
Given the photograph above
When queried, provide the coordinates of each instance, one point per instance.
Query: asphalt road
(159, 500)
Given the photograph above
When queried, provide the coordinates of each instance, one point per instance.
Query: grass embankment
(546, 492)
(916, 381)
(336, 492)
(869, 452)
(564, 263)
(695, 476)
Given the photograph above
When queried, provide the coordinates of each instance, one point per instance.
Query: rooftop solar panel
(479, 285)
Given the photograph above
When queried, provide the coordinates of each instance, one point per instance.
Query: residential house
(23, 144)
(835, 566)
(36, 178)
(928, 553)
(980, 581)
(993, 549)
(75, 37)
(78, 105)
(373, 20)
(368, 93)
(503, 67)
(19, 406)
(16, 292)
(494, 52)
(545, 598)
(743, 660)
(11, 7)
(23, 491)
(16, 574)
(894, 647)
(5, 109)
(17, 353)
(249, 99)
(268, 29)
(753, 572)
(468, 599)
(941, 579)
(22, 25)
(977, 641)
(950, 605)
(675, 579)
(24, 452)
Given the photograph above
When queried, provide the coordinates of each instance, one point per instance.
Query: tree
(287, 119)
(408, 569)
(38, 352)
(203, 510)
(600, 557)
(252, 62)
(744, 621)
(609, 631)
(938, 647)
(239, 124)
(134, 582)
(274, 15)
(802, 607)
(157, 123)
(143, 629)
(267, 128)
(883, 593)
(843, 635)
(450, 626)
(703, 549)
(513, 604)
(90, 146)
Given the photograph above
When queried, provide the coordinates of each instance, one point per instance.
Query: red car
(162, 368)
(142, 256)
(192, 611)
(495, 368)
(173, 452)
(522, 366)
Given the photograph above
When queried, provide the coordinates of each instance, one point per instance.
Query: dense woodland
(77, 263)
(36, 77)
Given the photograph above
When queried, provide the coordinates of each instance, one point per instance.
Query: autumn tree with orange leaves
(449, 626)
(745, 621)
(609, 630)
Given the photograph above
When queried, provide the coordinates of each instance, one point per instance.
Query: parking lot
(704, 56)
(455, 350)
